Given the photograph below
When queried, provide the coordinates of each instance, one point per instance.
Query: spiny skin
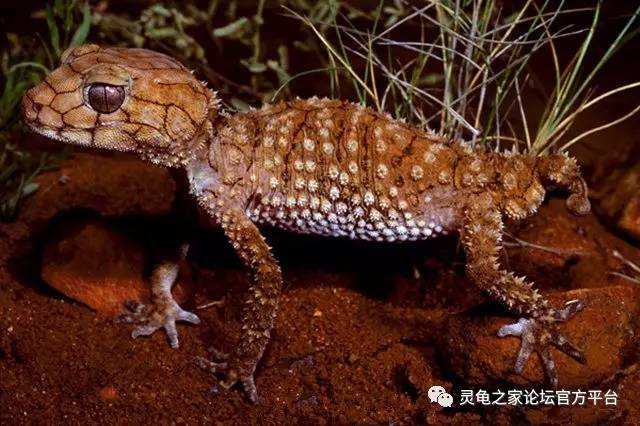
(315, 166)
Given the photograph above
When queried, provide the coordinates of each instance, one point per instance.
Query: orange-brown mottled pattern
(315, 166)
(335, 168)
(165, 104)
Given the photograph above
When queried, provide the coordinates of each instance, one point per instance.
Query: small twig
(626, 261)
(523, 243)
(600, 128)
(210, 304)
(626, 277)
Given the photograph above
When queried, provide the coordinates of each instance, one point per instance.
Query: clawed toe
(210, 366)
(538, 334)
(571, 308)
(562, 343)
(165, 316)
(230, 377)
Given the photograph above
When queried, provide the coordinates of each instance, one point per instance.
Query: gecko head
(122, 99)
(562, 170)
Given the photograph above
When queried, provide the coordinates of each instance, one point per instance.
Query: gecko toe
(187, 316)
(549, 366)
(562, 343)
(538, 335)
(143, 330)
(172, 334)
(526, 349)
(229, 377)
(164, 315)
(513, 329)
(249, 387)
(210, 366)
(571, 308)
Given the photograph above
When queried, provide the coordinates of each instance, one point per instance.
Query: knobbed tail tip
(578, 204)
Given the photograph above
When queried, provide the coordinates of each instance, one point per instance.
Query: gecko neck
(199, 169)
(202, 167)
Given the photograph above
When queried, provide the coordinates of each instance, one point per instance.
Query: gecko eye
(105, 98)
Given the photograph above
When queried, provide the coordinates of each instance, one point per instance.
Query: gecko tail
(563, 170)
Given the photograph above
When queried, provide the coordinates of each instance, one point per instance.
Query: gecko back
(336, 168)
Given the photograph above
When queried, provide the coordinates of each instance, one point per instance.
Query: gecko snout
(29, 108)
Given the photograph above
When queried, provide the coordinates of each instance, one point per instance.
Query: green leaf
(431, 79)
(68, 18)
(53, 30)
(58, 8)
(255, 67)
(82, 31)
(29, 188)
(231, 29)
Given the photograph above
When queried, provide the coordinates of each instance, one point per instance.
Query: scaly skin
(315, 166)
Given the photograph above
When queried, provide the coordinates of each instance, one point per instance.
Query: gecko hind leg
(164, 311)
(538, 334)
(538, 328)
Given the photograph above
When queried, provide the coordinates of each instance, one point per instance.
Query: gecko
(310, 166)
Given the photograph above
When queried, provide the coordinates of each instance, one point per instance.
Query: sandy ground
(364, 329)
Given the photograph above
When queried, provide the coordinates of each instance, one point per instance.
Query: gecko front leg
(260, 307)
(164, 311)
(538, 328)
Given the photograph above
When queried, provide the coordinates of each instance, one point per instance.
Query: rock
(113, 186)
(96, 265)
(561, 251)
(90, 261)
(93, 263)
(618, 200)
(108, 393)
(605, 330)
(629, 386)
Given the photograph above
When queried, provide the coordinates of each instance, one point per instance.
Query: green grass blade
(82, 31)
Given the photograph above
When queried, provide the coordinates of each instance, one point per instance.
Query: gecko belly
(355, 223)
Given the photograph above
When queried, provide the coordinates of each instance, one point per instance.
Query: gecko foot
(163, 314)
(231, 377)
(538, 334)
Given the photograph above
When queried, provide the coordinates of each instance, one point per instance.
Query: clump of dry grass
(462, 67)
(471, 67)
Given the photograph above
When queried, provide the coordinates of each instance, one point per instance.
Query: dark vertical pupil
(105, 98)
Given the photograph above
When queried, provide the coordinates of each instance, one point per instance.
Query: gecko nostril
(36, 107)
(30, 109)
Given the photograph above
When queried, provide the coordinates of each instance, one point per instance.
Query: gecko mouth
(46, 131)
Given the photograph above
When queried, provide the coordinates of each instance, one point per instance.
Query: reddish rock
(561, 251)
(605, 330)
(108, 393)
(96, 265)
(113, 186)
(618, 200)
(93, 263)
(628, 389)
